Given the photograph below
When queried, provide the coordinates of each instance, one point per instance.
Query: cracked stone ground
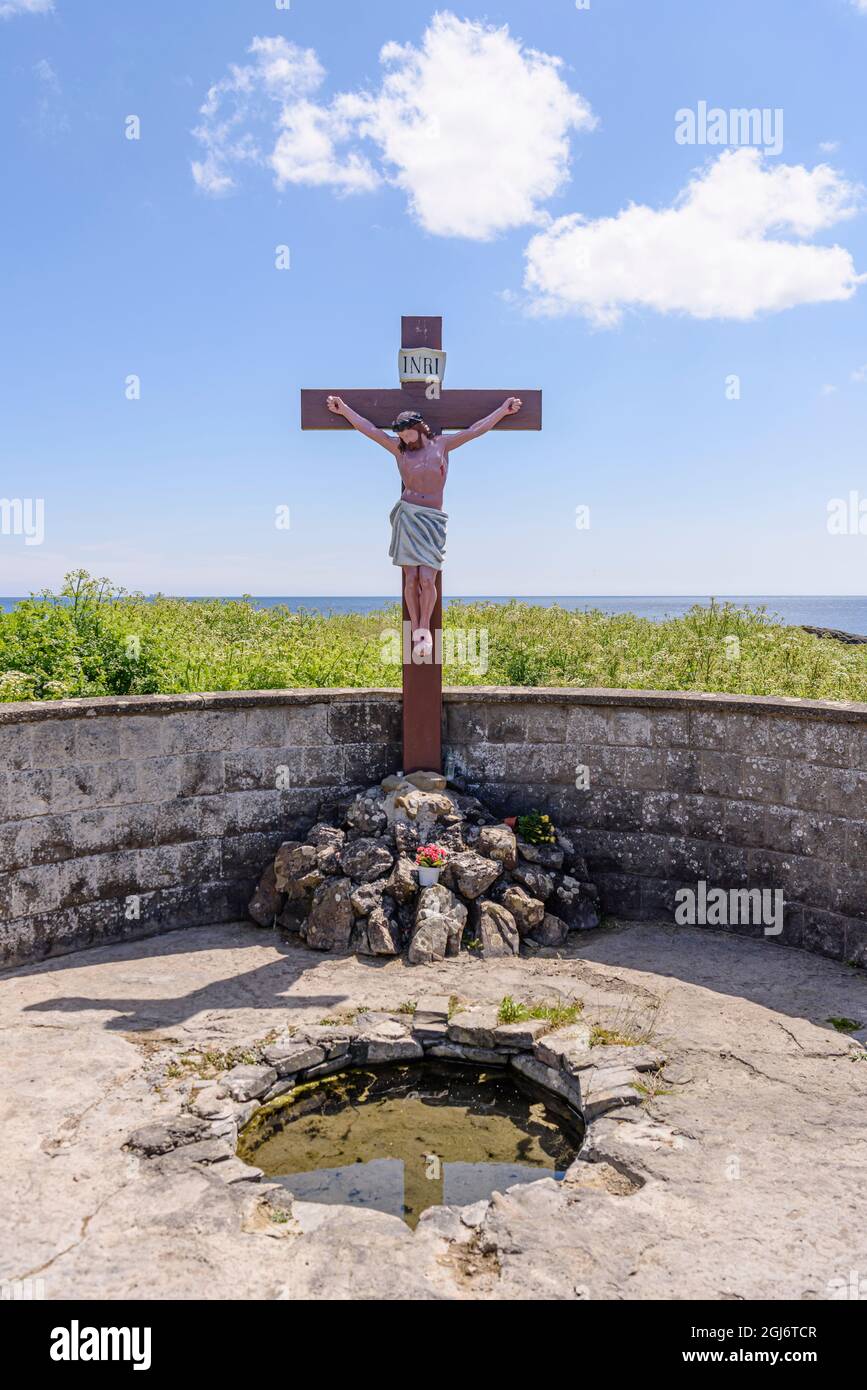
(759, 1194)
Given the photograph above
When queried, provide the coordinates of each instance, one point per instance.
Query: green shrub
(94, 639)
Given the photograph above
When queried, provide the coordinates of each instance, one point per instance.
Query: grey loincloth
(418, 535)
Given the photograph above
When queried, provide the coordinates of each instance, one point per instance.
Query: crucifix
(418, 414)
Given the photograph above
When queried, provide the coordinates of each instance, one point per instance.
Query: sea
(847, 613)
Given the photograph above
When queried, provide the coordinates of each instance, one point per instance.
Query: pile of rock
(352, 885)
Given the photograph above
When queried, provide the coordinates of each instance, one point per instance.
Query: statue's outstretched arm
(337, 406)
(509, 407)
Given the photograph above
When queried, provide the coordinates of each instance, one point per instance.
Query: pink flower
(430, 856)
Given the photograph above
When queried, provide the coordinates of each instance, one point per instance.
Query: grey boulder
(267, 902)
(546, 856)
(498, 842)
(470, 874)
(496, 930)
(439, 925)
(366, 860)
(577, 904)
(402, 884)
(329, 925)
(551, 931)
(528, 912)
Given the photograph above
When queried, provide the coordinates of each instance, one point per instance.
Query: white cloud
(860, 373)
(829, 146)
(469, 123)
(45, 73)
(8, 8)
(860, 5)
(733, 244)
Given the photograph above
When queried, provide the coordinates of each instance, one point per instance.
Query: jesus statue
(418, 523)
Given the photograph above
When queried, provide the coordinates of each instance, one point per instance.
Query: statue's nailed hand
(335, 405)
(513, 405)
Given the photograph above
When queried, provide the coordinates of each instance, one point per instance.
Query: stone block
(141, 736)
(721, 774)
(811, 740)
(33, 890)
(17, 846)
(824, 933)
(587, 726)
(547, 723)
(669, 728)
(664, 813)
(620, 894)
(476, 1056)
(549, 1078)
(506, 724)
(201, 774)
(707, 729)
(631, 727)
(363, 764)
(747, 733)
(687, 859)
(16, 746)
(474, 1028)
(52, 743)
(683, 770)
(30, 793)
(744, 823)
(855, 943)
(520, 1037)
(201, 731)
(851, 891)
(253, 769)
(855, 855)
(467, 724)
(645, 769)
(805, 787)
(364, 721)
(246, 1083)
(158, 779)
(845, 793)
(97, 740)
(289, 1058)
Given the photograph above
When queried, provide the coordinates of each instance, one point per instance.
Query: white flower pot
(427, 877)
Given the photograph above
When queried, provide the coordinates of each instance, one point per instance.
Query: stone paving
(739, 1175)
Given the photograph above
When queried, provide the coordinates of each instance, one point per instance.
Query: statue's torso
(423, 473)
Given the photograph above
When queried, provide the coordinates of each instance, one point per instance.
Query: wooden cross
(443, 410)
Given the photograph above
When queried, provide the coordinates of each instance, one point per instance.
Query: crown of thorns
(407, 420)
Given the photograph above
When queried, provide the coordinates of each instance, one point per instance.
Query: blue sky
(542, 204)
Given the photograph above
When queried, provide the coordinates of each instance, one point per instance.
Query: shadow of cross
(421, 365)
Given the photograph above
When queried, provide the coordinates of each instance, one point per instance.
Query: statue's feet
(422, 640)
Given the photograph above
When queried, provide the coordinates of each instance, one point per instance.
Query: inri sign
(421, 364)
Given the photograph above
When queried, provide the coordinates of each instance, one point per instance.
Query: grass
(208, 1064)
(93, 639)
(558, 1015)
(651, 1085)
(845, 1025)
(612, 1037)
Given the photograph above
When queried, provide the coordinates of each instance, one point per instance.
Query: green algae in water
(402, 1139)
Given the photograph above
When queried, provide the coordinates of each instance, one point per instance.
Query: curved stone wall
(124, 817)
